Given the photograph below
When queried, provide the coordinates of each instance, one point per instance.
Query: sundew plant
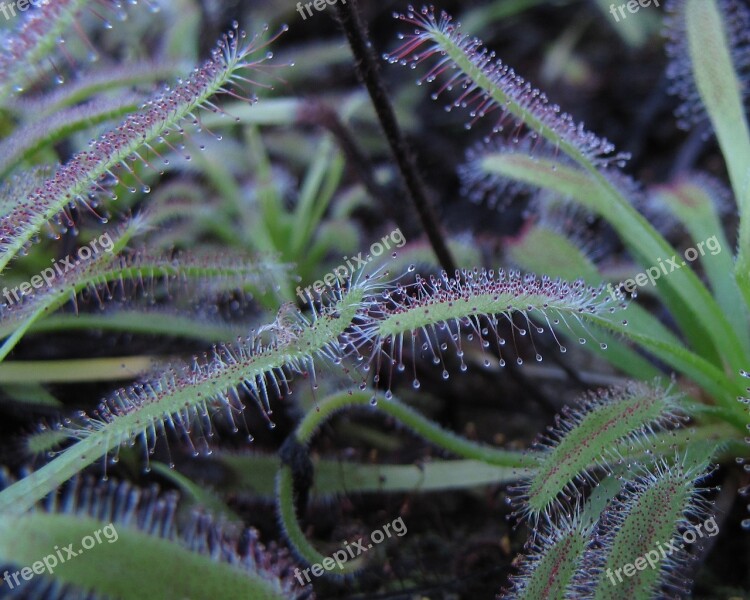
(263, 300)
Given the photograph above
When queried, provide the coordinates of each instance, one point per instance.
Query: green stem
(420, 425)
(288, 517)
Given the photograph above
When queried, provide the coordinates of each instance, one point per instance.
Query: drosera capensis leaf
(553, 559)
(486, 86)
(416, 313)
(28, 139)
(36, 35)
(175, 396)
(552, 173)
(109, 274)
(540, 249)
(655, 506)
(141, 548)
(15, 319)
(586, 435)
(83, 177)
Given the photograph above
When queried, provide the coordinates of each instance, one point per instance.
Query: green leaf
(30, 139)
(128, 563)
(551, 563)
(176, 396)
(694, 202)
(646, 517)
(697, 312)
(587, 435)
(163, 113)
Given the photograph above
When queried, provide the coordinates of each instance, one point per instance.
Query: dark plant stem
(367, 70)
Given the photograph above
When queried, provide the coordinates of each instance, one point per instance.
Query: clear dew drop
(415, 384)
(446, 375)
(374, 401)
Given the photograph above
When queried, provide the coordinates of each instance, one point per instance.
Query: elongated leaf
(642, 531)
(556, 555)
(176, 396)
(706, 32)
(697, 311)
(83, 174)
(587, 434)
(125, 546)
(28, 140)
(693, 201)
